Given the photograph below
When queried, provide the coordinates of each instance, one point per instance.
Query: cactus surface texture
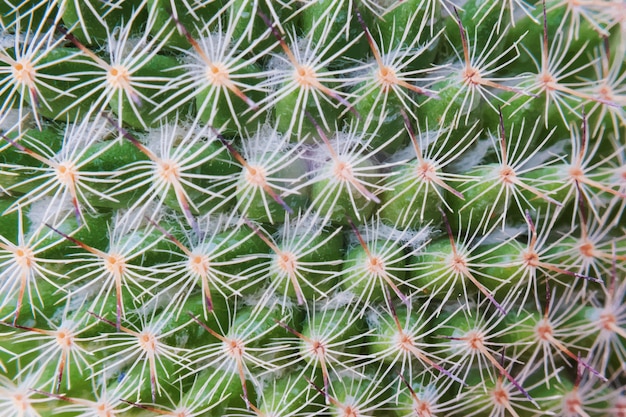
(313, 208)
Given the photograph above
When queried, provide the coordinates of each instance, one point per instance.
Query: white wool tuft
(7, 40)
(128, 45)
(540, 158)
(10, 121)
(473, 157)
(372, 318)
(298, 225)
(338, 300)
(407, 237)
(500, 235)
(266, 141)
(40, 212)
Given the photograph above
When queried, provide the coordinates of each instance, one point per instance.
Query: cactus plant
(302, 208)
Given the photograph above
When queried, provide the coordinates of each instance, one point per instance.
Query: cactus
(302, 208)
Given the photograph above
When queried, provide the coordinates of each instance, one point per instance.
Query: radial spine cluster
(313, 208)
